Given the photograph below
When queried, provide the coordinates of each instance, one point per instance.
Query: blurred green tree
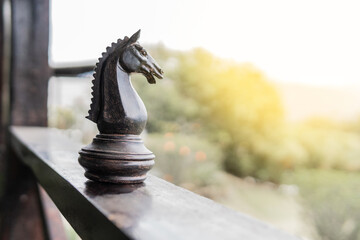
(237, 107)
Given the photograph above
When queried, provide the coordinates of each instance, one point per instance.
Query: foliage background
(218, 127)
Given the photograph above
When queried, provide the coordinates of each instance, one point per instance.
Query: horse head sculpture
(116, 107)
(135, 58)
(117, 154)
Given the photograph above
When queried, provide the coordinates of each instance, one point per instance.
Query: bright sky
(308, 41)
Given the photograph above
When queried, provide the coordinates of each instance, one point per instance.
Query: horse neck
(131, 102)
(121, 98)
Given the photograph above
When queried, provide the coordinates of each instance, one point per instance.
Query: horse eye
(143, 52)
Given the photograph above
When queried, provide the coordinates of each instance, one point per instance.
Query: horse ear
(135, 37)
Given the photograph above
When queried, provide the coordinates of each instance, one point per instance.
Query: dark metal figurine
(117, 154)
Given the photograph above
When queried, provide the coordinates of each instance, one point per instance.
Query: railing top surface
(153, 210)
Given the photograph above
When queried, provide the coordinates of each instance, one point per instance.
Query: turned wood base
(116, 159)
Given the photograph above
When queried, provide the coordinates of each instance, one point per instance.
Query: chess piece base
(116, 158)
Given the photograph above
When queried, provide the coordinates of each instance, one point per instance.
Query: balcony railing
(155, 209)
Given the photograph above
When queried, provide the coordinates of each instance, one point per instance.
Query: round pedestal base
(116, 159)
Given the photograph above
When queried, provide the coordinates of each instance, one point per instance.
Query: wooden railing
(155, 209)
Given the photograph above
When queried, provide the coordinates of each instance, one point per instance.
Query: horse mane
(96, 100)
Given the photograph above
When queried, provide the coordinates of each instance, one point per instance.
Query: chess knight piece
(117, 154)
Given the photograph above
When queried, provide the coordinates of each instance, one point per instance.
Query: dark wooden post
(2, 137)
(30, 70)
(4, 28)
(21, 208)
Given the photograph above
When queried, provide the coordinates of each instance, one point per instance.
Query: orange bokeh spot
(169, 135)
(169, 146)
(184, 151)
(200, 156)
(168, 177)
